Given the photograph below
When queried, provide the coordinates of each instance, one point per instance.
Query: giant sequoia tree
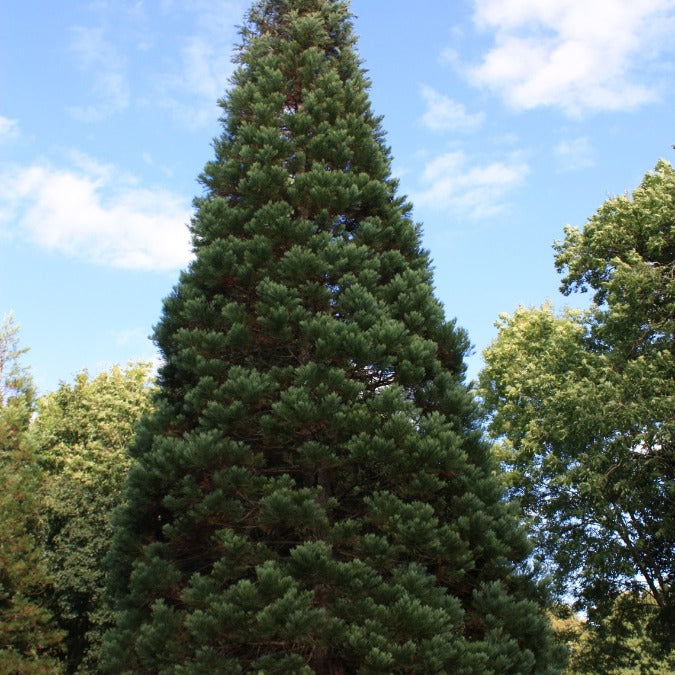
(313, 494)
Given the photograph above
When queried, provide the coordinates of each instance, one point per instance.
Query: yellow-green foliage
(83, 431)
(582, 406)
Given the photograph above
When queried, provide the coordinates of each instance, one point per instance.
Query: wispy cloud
(99, 57)
(130, 335)
(573, 54)
(150, 161)
(9, 129)
(471, 190)
(444, 114)
(191, 92)
(87, 212)
(191, 87)
(574, 154)
(187, 80)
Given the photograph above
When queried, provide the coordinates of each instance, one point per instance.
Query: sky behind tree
(507, 120)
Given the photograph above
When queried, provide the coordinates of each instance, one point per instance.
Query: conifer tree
(29, 639)
(313, 493)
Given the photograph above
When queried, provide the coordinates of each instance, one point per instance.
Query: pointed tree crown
(313, 494)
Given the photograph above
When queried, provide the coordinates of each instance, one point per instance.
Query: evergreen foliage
(29, 640)
(82, 433)
(312, 493)
(584, 405)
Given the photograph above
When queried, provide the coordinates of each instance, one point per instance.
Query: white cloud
(150, 161)
(126, 337)
(200, 76)
(444, 114)
(476, 191)
(574, 154)
(573, 54)
(9, 129)
(192, 92)
(187, 80)
(91, 215)
(99, 57)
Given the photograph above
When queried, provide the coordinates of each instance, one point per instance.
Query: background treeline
(580, 404)
(63, 461)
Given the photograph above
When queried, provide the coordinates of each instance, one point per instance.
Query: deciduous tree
(583, 403)
(82, 433)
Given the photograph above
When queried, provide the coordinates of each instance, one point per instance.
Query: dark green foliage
(29, 640)
(584, 404)
(82, 432)
(313, 493)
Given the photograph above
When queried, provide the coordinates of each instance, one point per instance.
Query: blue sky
(507, 120)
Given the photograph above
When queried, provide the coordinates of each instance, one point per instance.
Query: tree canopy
(583, 404)
(82, 432)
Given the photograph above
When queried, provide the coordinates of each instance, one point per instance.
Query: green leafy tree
(583, 403)
(28, 637)
(621, 643)
(83, 431)
(313, 493)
